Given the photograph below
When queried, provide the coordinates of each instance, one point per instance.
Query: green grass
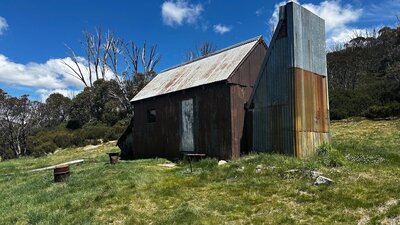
(363, 160)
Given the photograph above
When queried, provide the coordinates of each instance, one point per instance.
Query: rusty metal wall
(290, 104)
(241, 84)
(219, 115)
(212, 123)
(311, 111)
(310, 82)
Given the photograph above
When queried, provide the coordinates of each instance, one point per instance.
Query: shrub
(73, 124)
(62, 139)
(94, 132)
(44, 148)
(329, 156)
(338, 114)
(77, 140)
(48, 140)
(375, 111)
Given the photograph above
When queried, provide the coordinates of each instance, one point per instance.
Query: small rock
(314, 174)
(322, 180)
(259, 168)
(222, 162)
(240, 169)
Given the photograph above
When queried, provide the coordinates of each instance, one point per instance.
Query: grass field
(363, 160)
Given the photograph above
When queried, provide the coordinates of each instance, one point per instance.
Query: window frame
(151, 116)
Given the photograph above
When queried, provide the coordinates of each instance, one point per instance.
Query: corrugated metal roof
(215, 67)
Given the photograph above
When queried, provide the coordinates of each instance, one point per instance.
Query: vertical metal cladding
(310, 82)
(311, 111)
(272, 99)
(290, 102)
(241, 85)
(211, 123)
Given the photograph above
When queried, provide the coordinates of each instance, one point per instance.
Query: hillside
(363, 161)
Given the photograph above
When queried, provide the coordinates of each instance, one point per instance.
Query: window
(151, 115)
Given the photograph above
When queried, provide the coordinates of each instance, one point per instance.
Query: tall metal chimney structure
(289, 103)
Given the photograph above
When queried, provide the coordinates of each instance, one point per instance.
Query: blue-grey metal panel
(298, 42)
(309, 40)
(272, 114)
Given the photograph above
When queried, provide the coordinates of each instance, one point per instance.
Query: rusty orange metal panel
(311, 111)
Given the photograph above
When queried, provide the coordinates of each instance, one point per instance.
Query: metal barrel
(114, 156)
(61, 173)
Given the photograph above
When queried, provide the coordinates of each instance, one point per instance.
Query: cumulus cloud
(3, 25)
(45, 93)
(338, 18)
(221, 29)
(273, 21)
(51, 76)
(176, 13)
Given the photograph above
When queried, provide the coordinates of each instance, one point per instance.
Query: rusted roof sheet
(216, 67)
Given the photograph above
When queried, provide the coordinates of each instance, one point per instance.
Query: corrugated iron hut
(196, 107)
(241, 98)
(289, 104)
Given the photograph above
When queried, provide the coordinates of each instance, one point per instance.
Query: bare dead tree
(201, 50)
(103, 54)
(131, 56)
(149, 61)
(206, 48)
(96, 49)
(77, 72)
(130, 80)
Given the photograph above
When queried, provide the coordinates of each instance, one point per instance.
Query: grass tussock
(363, 160)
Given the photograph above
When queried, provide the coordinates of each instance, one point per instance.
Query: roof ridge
(214, 53)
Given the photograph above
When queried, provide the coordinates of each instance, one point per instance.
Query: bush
(73, 124)
(62, 139)
(384, 111)
(338, 114)
(329, 156)
(94, 132)
(47, 141)
(44, 148)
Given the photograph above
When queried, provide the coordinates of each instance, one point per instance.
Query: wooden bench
(191, 156)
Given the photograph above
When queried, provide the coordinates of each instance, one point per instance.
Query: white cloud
(45, 93)
(45, 77)
(273, 21)
(3, 25)
(338, 18)
(221, 29)
(176, 13)
(260, 11)
(345, 35)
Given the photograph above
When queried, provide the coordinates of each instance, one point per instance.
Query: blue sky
(33, 34)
